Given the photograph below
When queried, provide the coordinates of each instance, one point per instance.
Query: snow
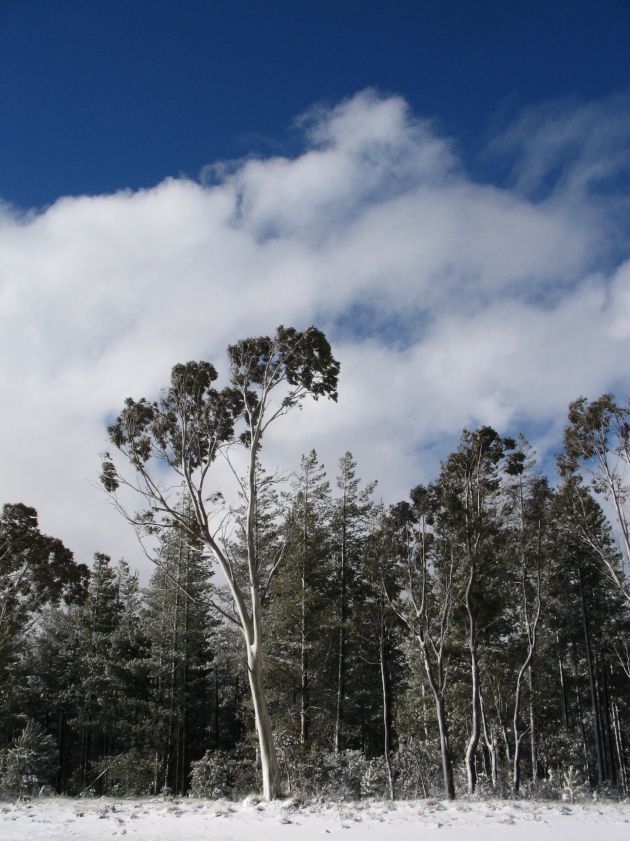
(158, 819)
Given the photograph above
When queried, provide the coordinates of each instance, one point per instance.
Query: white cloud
(449, 302)
(568, 148)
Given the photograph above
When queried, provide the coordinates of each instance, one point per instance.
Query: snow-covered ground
(54, 819)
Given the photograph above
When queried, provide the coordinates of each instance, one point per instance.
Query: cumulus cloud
(450, 302)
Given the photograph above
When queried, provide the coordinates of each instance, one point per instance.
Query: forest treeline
(379, 623)
(472, 638)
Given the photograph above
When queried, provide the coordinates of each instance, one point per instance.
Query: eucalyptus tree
(182, 434)
(424, 600)
(597, 448)
(531, 501)
(469, 520)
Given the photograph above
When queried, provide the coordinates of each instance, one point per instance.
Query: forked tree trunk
(491, 745)
(447, 765)
(526, 667)
(475, 729)
(436, 683)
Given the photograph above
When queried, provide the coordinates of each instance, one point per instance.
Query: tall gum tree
(181, 436)
(597, 448)
(468, 489)
(424, 601)
(531, 500)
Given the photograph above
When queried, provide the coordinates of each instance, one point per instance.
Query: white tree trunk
(268, 758)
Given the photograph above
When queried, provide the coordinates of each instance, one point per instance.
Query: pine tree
(376, 634)
(36, 571)
(351, 517)
(179, 627)
(301, 639)
(27, 765)
(586, 616)
(91, 677)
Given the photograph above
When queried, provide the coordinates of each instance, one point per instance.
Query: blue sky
(101, 95)
(442, 187)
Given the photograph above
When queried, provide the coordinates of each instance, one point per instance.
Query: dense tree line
(474, 637)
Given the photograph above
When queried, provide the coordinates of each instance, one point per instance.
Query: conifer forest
(299, 636)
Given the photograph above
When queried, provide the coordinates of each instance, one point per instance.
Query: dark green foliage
(28, 764)
(302, 359)
(299, 616)
(345, 775)
(179, 629)
(586, 618)
(192, 420)
(478, 631)
(35, 570)
(86, 678)
(357, 702)
(182, 434)
(221, 773)
(597, 451)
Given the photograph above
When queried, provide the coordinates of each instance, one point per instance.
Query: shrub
(128, 773)
(417, 769)
(28, 765)
(220, 773)
(347, 775)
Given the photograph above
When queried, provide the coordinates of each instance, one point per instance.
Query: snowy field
(156, 819)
